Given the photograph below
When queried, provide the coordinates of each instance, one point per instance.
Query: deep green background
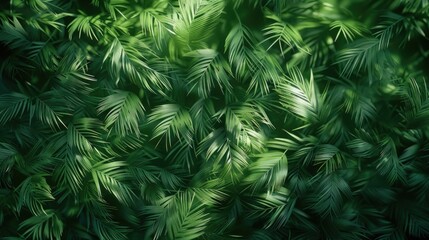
(217, 119)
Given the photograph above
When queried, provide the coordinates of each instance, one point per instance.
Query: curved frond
(350, 30)
(34, 192)
(124, 112)
(111, 175)
(301, 97)
(91, 26)
(277, 207)
(46, 225)
(328, 198)
(172, 120)
(208, 68)
(285, 35)
(269, 171)
(195, 21)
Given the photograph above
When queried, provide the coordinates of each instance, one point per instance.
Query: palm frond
(239, 44)
(362, 148)
(154, 23)
(388, 163)
(172, 121)
(84, 133)
(45, 54)
(91, 26)
(301, 97)
(8, 153)
(49, 23)
(269, 171)
(34, 192)
(265, 72)
(350, 30)
(362, 54)
(112, 175)
(285, 35)
(72, 172)
(277, 207)
(201, 113)
(328, 198)
(329, 158)
(417, 103)
(208, 68)
(189, 221)
(214, 119)
(126, 57)
(224, 153)
(196, 18)
(388, 28)
(362, 109)
(46, 225)
(181, 216)
(45, 110)
(14, 35)
(107, 230)
(124, 111)
(411, 218)
(183, 153)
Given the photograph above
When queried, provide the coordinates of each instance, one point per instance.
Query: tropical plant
(214, 119)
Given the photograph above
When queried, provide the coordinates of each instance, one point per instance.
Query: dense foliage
(214, 119)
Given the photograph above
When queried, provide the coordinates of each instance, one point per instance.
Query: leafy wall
(214, 119)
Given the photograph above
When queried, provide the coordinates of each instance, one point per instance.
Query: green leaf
(389, 164)
(13, 34)
(91, 26)
(329, 196)
(46, 225)
(172, 121)
(362, 54)
(112, 175)
(301, 97)
(208, 68)
(349, 29)
(328, 157)
(34, 192)
(283, 34)
(84, 133)
(269, 171)
(195, 21)
(277, 207)
(124, 112)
